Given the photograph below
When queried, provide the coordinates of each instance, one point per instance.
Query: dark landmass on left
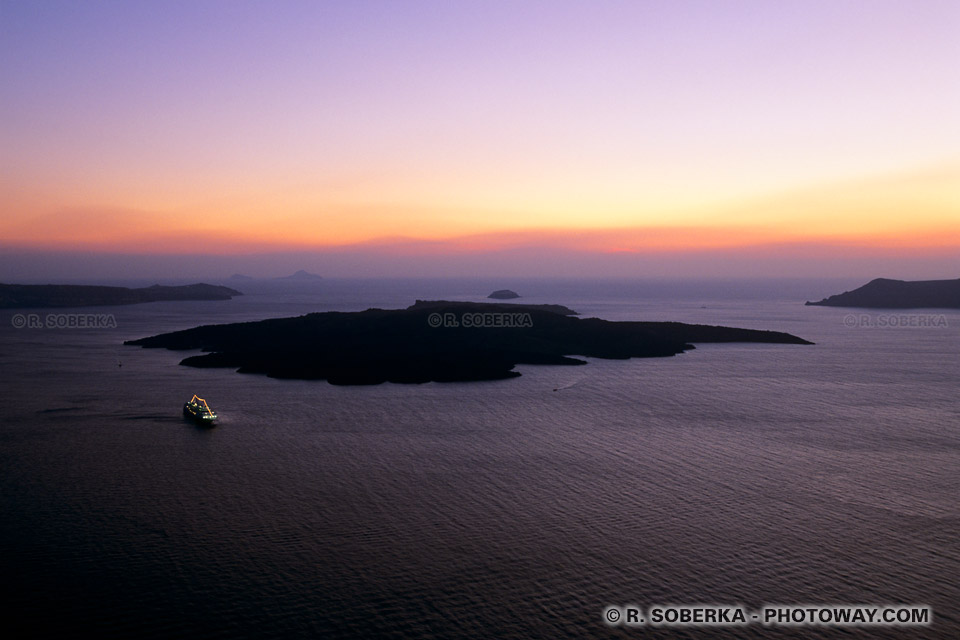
(436, 341)
(19, 296)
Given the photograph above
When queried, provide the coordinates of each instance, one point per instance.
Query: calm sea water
(738, 474)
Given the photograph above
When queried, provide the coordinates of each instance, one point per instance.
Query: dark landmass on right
(884, 293)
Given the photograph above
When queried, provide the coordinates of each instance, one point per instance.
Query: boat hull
(194, 415)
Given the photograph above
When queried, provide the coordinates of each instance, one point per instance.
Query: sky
(681, 138)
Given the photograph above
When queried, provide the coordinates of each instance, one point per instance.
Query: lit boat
(198, 410)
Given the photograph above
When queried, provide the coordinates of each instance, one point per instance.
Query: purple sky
(337, 127)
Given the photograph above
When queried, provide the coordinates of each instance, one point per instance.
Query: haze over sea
(737, 474)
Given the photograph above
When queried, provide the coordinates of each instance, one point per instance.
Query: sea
(732, 475)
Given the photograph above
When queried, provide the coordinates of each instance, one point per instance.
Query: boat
(199, 411)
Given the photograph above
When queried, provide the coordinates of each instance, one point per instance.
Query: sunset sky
(707, 135)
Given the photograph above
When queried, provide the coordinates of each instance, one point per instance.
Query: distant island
(18, 296)
(503, 294)
(301, 275)
(883, 293)
(435, 341)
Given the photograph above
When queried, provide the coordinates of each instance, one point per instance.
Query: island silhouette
(884, 293)
(301, 275)
(71, 295)
(436, 341)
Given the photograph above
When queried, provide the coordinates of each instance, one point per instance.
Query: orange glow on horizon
(603, 241)
(608, 129)
(911, 211)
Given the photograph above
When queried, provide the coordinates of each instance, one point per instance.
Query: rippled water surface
(741, 474)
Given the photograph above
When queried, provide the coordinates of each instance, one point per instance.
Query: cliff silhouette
(883, 293)
(68, 295)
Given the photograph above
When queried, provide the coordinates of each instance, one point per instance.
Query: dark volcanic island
(74, 295)
(435, 341)
(883, 293)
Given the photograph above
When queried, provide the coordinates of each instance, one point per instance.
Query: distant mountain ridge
(884, 293)
(301, 275)
(14, 296)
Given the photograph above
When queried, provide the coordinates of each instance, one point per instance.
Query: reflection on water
(733, 474)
